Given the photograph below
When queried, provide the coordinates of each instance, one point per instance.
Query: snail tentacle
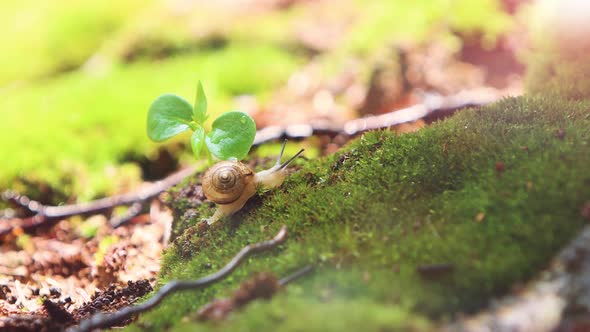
(281, 153)
(286, 163)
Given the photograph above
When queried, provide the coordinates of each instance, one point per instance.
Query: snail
(230, 184)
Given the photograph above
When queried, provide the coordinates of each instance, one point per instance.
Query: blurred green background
(77, 77)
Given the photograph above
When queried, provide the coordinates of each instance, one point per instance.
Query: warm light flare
(569, 20)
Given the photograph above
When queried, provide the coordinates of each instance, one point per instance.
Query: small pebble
(54, 292)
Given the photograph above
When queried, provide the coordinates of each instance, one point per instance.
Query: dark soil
(57, 316)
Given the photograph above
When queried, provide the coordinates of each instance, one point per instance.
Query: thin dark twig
(131, 213)
(101, 320)
(296, 275)
(51, 213)
(123, 199)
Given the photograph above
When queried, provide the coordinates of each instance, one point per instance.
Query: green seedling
(230, 137)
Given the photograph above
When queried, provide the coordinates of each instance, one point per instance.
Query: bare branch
(100, 320)
(131, 213)
(433, 108)
(46, 214)
(296, 275)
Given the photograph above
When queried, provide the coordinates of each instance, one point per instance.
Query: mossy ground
(493, 192)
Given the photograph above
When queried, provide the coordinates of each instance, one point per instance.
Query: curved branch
(46, 214)
(296, 275)
(101, 320)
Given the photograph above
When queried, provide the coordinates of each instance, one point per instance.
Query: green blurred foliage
(42, 38)
(413, 21)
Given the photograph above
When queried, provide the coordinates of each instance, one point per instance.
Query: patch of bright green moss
(493, 193)
(44, 38)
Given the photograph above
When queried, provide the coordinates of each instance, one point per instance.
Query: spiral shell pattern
(225, 181)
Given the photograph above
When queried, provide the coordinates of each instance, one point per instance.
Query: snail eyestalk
(286, 163)
(275, 176)
(281, 153)
(278, 164)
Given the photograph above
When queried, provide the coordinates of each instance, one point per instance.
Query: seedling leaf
(200, 110)
(231, 135)
(168, 115)
(197, 141)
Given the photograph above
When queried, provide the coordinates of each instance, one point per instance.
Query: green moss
(296, 312)
(385, 205)
(40, 39)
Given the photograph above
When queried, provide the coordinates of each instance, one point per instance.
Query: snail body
(230, 184)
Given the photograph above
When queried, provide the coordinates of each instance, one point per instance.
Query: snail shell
(225, 181)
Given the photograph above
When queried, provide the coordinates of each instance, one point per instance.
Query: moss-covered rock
(490, 194)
